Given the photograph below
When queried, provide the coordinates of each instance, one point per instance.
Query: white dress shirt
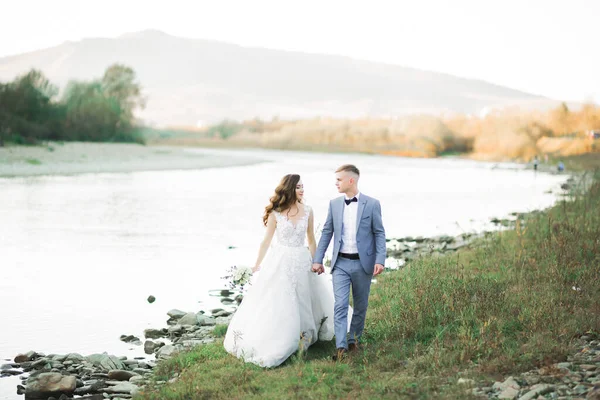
(349, 227)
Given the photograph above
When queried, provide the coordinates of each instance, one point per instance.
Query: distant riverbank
(78, 158)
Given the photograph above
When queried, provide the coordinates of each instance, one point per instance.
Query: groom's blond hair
(348, 168)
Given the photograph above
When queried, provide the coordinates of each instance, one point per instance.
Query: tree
(90, 115)
(100, 110)
(119, 83)
(27, 109)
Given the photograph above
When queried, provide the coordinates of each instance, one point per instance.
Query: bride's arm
(310, 233)
(264, 246)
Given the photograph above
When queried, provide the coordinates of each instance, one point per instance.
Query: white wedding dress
(287, 307)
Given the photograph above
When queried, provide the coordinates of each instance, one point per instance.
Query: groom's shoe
(340, 354)
(353, 347)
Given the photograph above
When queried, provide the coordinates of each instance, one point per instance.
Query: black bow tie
(352, 200)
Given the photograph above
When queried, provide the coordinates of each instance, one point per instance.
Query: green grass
(220, 331)
(502, 307)
(33, 161)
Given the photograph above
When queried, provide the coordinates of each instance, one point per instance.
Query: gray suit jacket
(370, 234)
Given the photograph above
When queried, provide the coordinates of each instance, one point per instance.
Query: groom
(354, 222)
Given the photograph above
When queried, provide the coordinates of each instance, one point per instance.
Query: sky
(544, 47)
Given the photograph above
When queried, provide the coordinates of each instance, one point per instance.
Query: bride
(287, 307)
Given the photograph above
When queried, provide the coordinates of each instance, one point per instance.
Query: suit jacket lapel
(361, 207)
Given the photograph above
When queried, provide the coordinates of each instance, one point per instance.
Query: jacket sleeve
(326, 235)
(379, 233)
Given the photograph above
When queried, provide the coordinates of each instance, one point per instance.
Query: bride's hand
(256, 269)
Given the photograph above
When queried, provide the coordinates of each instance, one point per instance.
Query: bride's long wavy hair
(284, 197)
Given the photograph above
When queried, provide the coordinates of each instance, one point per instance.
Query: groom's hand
(318, 268)
(378, 269)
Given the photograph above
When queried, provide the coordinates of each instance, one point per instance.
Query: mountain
(188, 81)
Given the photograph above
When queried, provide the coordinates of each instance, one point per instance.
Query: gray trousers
(346, 274)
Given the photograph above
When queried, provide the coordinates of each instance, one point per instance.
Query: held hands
(378, 269)
(318, 268)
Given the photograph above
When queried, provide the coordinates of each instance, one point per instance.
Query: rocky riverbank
(576, 378)
(104, 376)
(402, 250)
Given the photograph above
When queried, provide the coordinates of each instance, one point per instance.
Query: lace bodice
(289, 233)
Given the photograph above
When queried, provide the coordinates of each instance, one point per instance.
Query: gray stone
(58, 357)
(510, 382)
(150, 347)
(155, 333)
(537, 390)
(98, 385)
(192, 343)
(41, 363)
(142, 371)
(112, 383)
(83, 390)
(188, 319)
(137, 379)
(176, 314)
(131, 339)
(10, 372)
(206, 321)
(175, 329)
(509, 393)
(105, 362)
(166, 351)
(47, 384)
(75, 357)
(122, 387)
(120, 375)
(21, 358)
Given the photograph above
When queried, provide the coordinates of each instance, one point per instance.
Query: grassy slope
(502, 307)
